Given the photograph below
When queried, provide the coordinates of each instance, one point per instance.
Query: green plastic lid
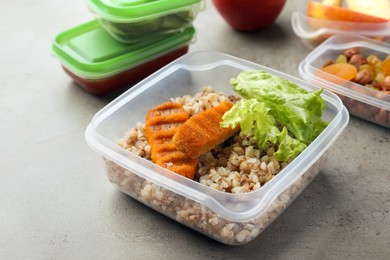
(90, 52)
(135, 10)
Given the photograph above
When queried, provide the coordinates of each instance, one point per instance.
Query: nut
(376, 84)
(363, 77)
(373, 109)
(350, 52)
(328, 63)
(357, 60)
(386, 84)
(381, 117)
(359, 109)
(383, 95)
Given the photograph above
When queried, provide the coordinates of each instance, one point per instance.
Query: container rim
(301, 21)
(207, 196)
(298, 21)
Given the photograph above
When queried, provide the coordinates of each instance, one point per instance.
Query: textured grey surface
(56, 202)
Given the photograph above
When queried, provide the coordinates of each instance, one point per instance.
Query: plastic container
(100, 64)
(233, 219)
(313, 31)
(361, 101)
(132, 21)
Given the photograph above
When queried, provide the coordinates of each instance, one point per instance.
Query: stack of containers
(128, 40)
(334, 28)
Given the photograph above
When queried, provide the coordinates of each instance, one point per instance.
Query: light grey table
(56, 202)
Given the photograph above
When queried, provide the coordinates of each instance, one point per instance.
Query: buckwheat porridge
(236, 166)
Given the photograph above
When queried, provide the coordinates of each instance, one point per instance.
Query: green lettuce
(278, 111)
(253, 115)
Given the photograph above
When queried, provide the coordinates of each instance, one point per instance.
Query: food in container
(365, 91)
(233, 214)
(315, 21)
(100, 64)
(132, 21)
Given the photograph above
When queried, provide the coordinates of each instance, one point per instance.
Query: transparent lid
(89, 51)
(186, 76)
(135, 10)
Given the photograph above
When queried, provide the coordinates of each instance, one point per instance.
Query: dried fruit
(342, 59)
(380, 76)
(342, 70)
(373, 59)
(386, 66)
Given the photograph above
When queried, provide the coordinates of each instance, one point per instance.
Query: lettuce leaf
(277, 111)
(252, 115)
(295, 108)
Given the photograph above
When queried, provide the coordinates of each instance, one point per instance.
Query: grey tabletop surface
(57, 203)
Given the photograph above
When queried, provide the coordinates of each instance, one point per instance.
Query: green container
(100, 64)
(132, 21)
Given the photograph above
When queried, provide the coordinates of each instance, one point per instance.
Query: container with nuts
(357, 69)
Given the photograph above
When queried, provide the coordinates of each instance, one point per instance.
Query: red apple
(249, 15)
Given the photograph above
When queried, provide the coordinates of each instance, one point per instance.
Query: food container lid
(90, 52)
(135, 10)
(187, 75)
(310, 68)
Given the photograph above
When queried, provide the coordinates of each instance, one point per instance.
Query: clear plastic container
(313, 31)
(233, 219)
(133, 21)
(361, 101)
(100, 64)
